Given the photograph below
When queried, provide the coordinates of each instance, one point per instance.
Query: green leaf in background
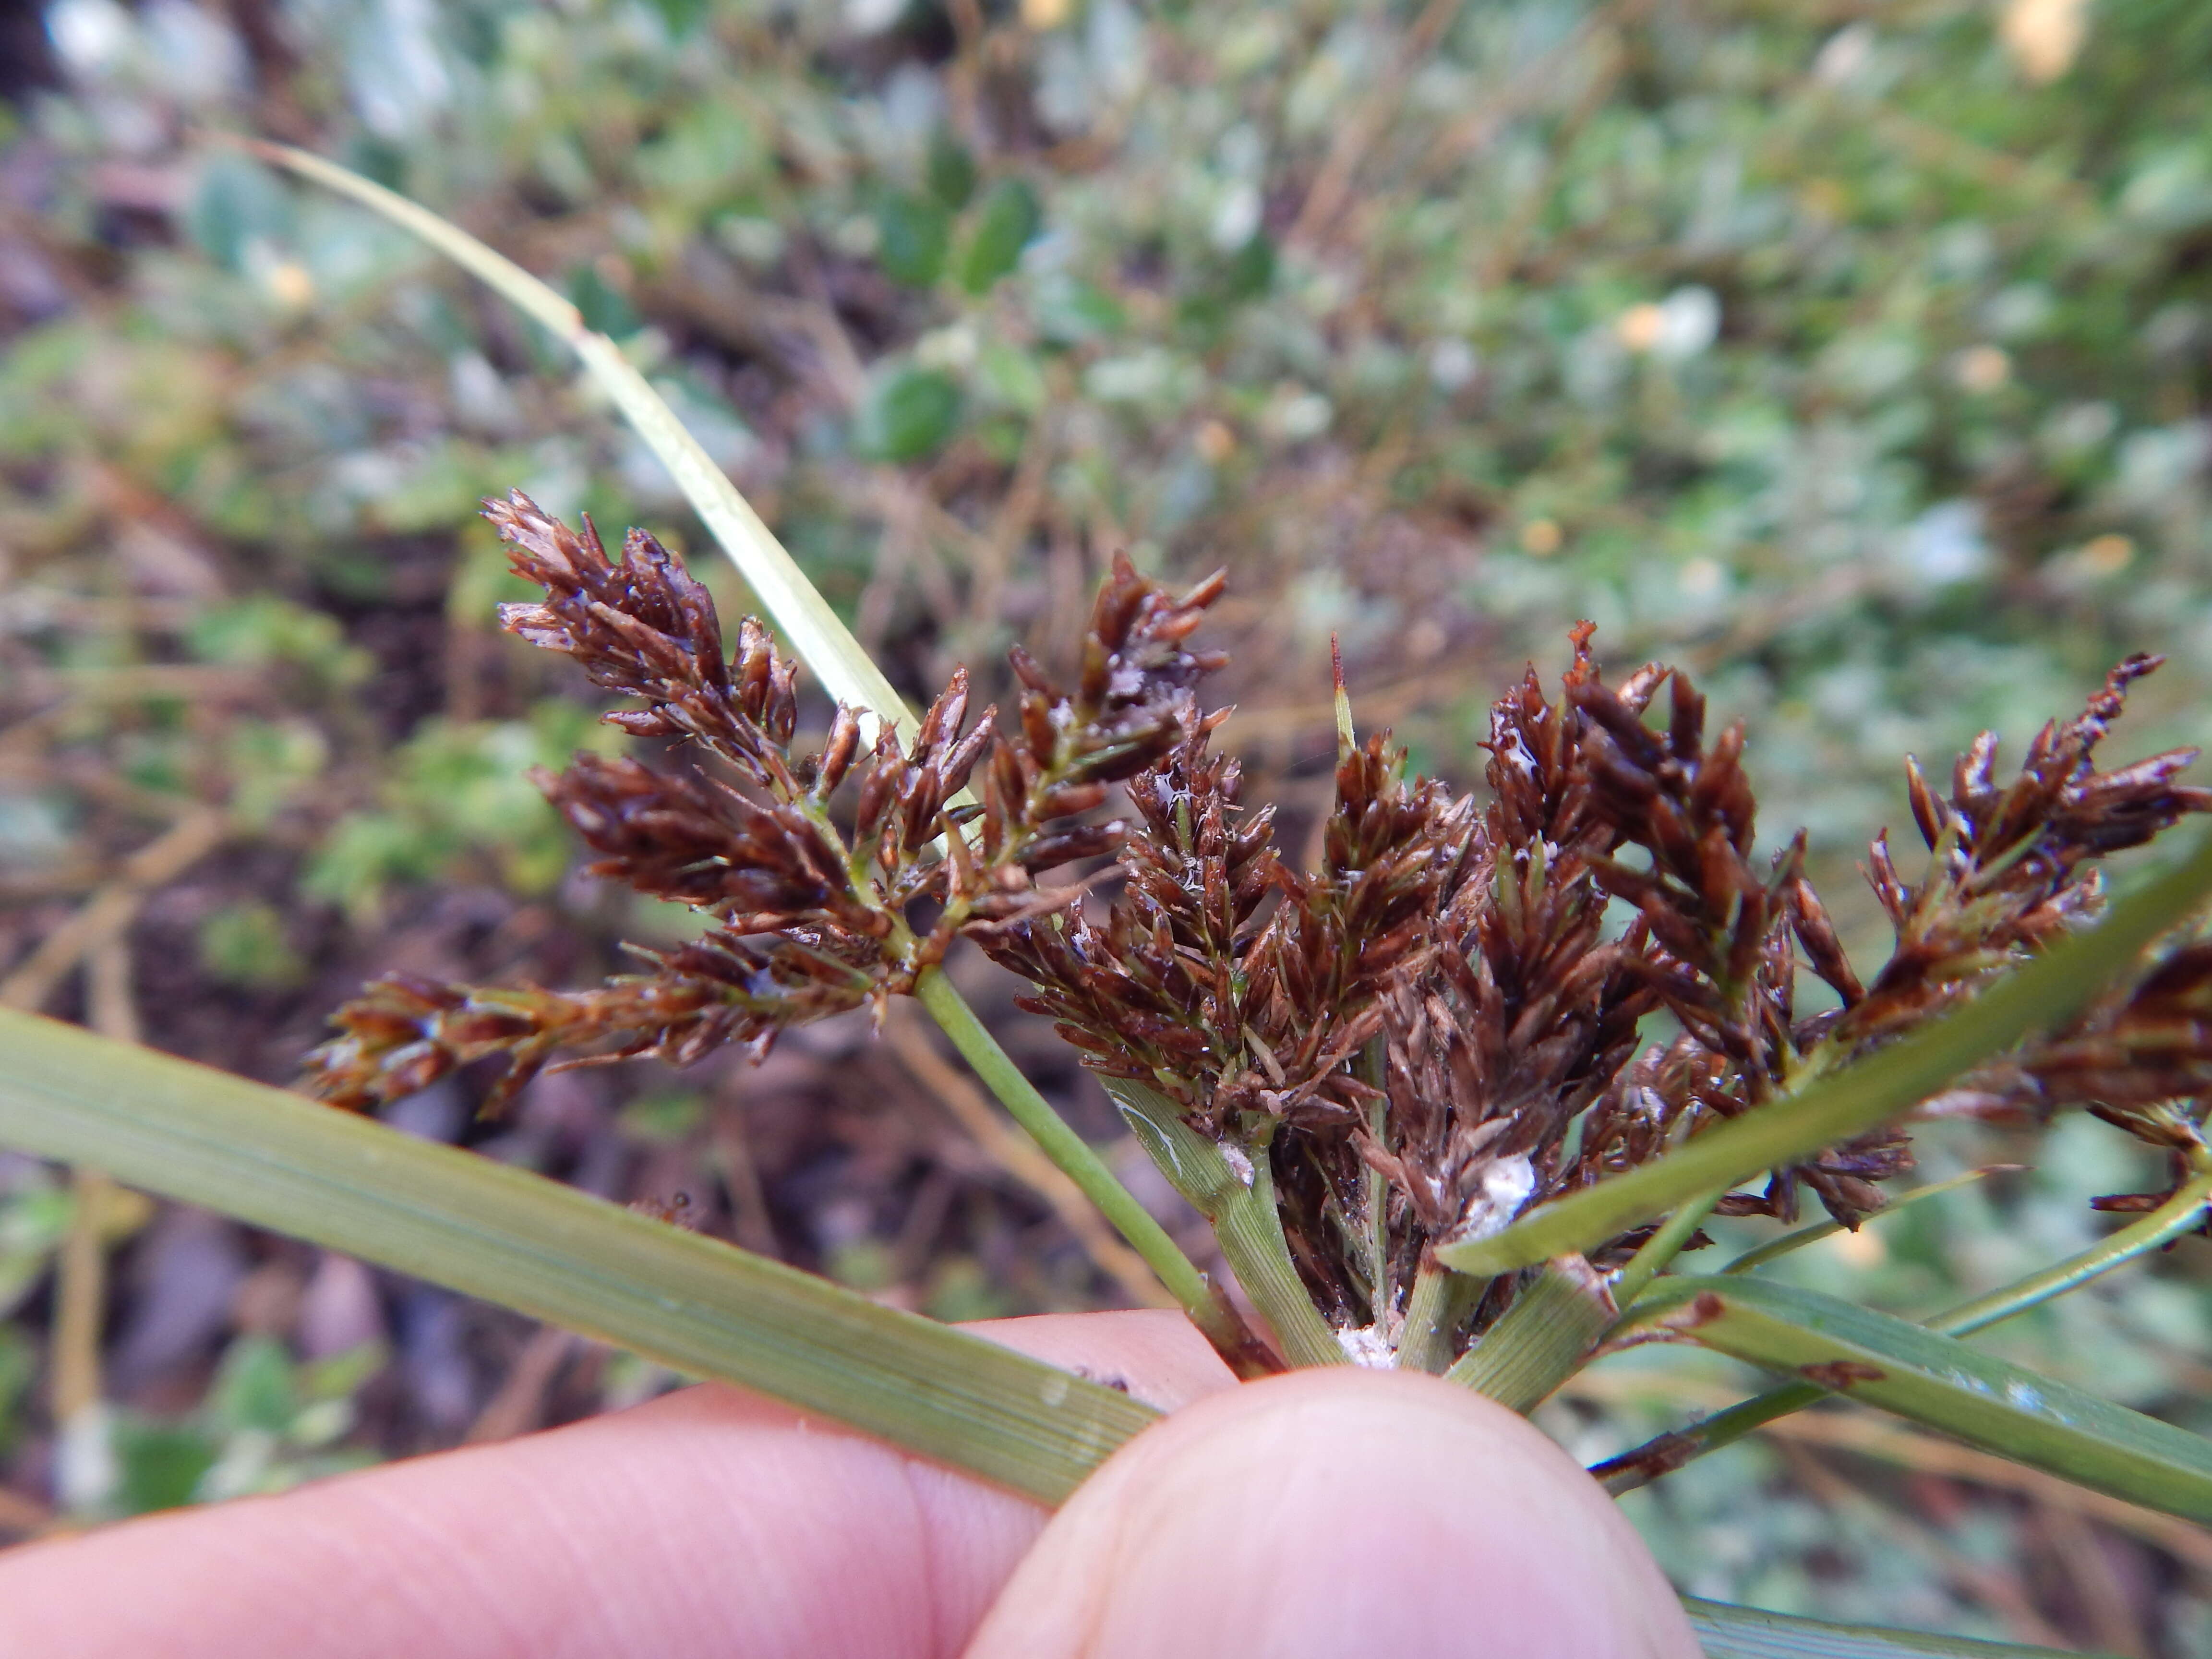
(682, 16)
(1007, 223)
(950, 170)
(706, 157)
(262, 629)
(907, 414)
(455, 789)
(19, 1365)
(238, 204)
(1244, 276)
(913, 233)
(255, 1388)
(605, 308)
(158, 1465)
(1250, 271)
(1733, 1632)
(1941, 1381)
(1071, 311)
(243, 944)
(34, 1218)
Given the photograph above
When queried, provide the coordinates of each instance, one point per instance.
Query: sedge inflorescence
(1419, 1039)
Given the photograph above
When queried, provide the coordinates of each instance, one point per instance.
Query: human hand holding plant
(1323, 1513)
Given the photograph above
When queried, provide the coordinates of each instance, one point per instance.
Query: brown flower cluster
(810, 865)
(1422, 1037)
(1434, 1031)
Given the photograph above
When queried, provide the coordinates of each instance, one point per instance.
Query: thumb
(1339, 1512)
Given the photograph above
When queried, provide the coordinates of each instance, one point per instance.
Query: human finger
(709, 1523)
(1337, 1512)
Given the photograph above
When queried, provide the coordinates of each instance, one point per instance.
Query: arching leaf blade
(1944, 1383)
(1727, 1632)
(823, 642)
(488, 1230)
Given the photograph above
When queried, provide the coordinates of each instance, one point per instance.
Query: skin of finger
(708, 1522)
(1157, 1356)
(1337, 1512)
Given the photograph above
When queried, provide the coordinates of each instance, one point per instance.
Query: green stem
(1250, 1230)
(1775, 1248)
(1527, 1354)
(1074, 1158)
(2179, 1214)
(1372, 1068)
(1543, 1337)
(1663, 1246)
(1438, 1306)
(1240, 1207)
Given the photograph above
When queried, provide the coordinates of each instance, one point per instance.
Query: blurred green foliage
(1858, 355)
(243, 944)
(454, 789)
(268, 1423)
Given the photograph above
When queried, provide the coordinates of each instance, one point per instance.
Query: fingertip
(705, 1524)
(1326, 1513)
(709, 1521)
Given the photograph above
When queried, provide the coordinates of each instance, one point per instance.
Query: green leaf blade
(913, 233)
(487, 1229)
(1941, 1382)
(1008, 222)
(908, 414)
(1727, 1632)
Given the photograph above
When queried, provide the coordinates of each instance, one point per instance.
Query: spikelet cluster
(1425, 1035)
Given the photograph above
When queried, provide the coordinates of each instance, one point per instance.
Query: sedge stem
(1665, 1244)
(1076, 1158)
(1238, 1203)
(1438, 1306)
(1543, 1338)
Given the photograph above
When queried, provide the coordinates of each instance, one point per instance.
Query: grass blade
(1726, 1632)
(490, 1231)
(1939, 1381)
(2182, 1213)
(1883, 1086)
